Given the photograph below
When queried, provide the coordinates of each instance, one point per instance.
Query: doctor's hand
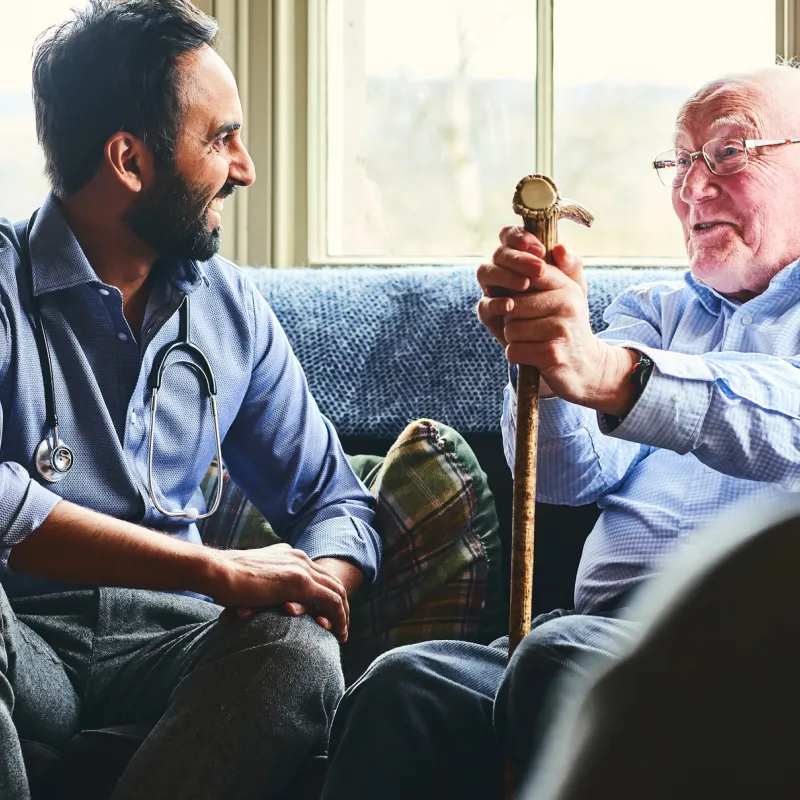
(350, 575)
(540, 313)
(277, 575)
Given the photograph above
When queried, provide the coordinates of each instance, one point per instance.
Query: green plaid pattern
(441, 572)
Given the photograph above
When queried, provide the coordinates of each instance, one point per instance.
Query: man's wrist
(209, 571)
(348, 573)
(620, 394)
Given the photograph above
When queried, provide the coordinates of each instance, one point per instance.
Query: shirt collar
(56, 259)
(712, 300)
(58, 262)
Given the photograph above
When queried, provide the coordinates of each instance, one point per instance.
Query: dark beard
(171, 217)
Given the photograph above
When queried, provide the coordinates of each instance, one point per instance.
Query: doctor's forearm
(76, 544)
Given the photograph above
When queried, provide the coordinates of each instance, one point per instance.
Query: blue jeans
(438, 719)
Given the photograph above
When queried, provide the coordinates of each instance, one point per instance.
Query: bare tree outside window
(431, 116)
(620, 77)
(429, 123)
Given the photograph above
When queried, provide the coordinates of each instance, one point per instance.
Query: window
(619, 79)
(388, 132)
(429, 123)
(431, 117)
(22, 181)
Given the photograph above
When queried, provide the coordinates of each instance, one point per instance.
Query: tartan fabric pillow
(441, 576)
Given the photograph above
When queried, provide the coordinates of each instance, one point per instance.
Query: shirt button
(134, 418)
(103, 292)
(123, 337)
(747, 320)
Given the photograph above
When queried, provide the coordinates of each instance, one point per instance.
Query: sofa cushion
(441, 574)
(383, 346)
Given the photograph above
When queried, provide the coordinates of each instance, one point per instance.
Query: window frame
(276, 49)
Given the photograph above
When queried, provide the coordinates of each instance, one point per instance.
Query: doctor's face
(178, 215)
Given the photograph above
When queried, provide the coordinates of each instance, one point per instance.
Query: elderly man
(688, 402)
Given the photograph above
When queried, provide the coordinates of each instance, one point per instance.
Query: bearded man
(687, 404)
(105, 604)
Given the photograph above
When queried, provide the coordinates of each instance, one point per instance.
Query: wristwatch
(641, 372)
(639, 376)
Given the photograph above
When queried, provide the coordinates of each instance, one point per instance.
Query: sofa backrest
(382, 346)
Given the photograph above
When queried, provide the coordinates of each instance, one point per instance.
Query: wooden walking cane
(537, 201)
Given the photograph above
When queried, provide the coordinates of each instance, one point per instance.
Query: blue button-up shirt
(277, 445)
(718, 423)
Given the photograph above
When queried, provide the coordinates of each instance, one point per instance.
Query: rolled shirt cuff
(670, 411)
(347, 538)
(26, 505)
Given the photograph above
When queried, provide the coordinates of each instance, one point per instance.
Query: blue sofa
(380, 347)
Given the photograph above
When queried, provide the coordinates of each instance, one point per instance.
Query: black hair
(112, 67)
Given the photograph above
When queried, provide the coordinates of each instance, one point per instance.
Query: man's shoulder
(9, 253)
(231, 293)
(655, 296)
(224, 276)
(9, 241)
(672, 287)
(223, 270)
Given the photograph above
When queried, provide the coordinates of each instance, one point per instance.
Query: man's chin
(718, 272)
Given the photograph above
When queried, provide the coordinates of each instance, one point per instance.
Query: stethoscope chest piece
(53, 463)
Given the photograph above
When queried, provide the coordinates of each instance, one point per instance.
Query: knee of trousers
(406, 691)
(292, 652)
(523, 699)
(306, 654)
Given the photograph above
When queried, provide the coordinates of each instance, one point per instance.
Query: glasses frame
(749, 144)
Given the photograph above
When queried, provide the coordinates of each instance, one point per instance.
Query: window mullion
(787, 29)
(318, 125)
(544, 86)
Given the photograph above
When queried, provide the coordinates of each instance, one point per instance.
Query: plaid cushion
(441, 574)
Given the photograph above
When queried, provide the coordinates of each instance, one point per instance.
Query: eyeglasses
(724, 156)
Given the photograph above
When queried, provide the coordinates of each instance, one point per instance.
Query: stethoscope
(54, 459)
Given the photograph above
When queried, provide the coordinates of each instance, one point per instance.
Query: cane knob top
(536, 195)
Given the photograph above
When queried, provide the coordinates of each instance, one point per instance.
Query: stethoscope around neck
(54, 459)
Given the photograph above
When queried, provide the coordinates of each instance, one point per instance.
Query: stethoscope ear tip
(191, 513)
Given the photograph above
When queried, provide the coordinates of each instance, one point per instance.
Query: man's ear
(130, 161)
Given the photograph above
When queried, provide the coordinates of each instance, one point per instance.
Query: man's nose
(242, 170)
(700, 182)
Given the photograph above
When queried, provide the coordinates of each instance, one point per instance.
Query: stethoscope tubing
(51, 451)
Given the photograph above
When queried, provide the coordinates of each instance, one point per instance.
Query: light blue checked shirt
(718, 423)
(277, 445)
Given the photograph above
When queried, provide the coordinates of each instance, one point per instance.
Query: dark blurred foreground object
(706, 704)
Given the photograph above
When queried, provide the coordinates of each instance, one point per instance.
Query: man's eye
(729, 150)
(683, 160)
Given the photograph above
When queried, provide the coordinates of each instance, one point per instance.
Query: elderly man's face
(740, 230)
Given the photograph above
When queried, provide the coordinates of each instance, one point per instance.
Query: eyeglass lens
(723, 156)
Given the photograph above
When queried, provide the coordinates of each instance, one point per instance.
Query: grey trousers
(235, 706)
